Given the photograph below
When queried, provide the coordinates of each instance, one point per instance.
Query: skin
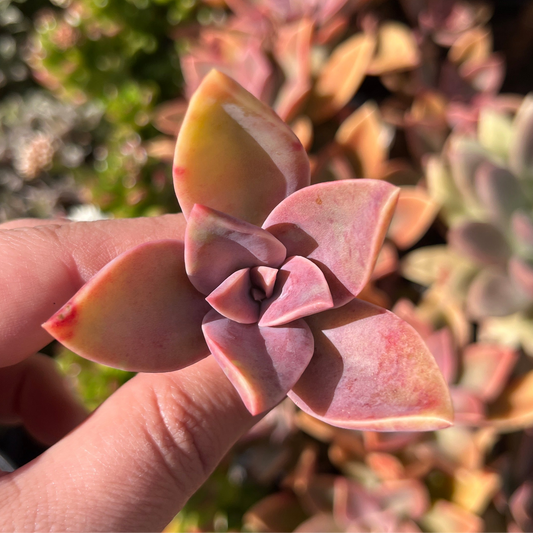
(135, 461)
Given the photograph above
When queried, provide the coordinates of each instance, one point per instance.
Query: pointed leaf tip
(233, 298)
(235, 154)
(139, 313)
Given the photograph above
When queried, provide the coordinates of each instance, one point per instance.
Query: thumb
(134, 463)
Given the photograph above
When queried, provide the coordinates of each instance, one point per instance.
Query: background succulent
(483, 183)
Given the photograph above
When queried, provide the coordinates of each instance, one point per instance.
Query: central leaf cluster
(259, 283)
(270, 296)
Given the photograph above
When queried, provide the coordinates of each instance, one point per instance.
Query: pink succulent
(263, 275)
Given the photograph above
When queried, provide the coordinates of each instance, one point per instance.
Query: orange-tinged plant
(264, 275)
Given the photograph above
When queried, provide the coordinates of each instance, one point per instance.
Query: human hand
(135, 461)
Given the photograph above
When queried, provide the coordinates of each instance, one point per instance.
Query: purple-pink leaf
(235, 154)
(139, 313)
(216, 245)
(261, 363)
(233, 298)
(486, 369)
(371, 371)
(500, 191)
(414, 215)
(468, 407)
(342, 75)
(480, 241)
(301, 290)
(340, 226)
(292, 49)
(491, 293)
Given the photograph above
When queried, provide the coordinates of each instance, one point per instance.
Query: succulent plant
(265, 278)
(483, 183)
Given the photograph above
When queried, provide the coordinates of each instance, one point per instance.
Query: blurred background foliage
(427, 94)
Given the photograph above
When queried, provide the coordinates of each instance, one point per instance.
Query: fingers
(34, 393)
(42, 267)
(132, 465)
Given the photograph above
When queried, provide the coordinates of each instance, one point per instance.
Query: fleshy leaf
(499, 191)
(396, 49)
(234, 154)
(491, 293)
(216, 245)
(364, 137)
(414, 214)
(486, 369)
(340, 226)
(342, 75)
(473, 45)
(292, 49)
(480, 241)
(467, 406)
(261, 363)
(371, 371)
(233, 300)
(139, 313)
(301, 290)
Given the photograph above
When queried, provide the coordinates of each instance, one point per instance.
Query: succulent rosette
(264, 276)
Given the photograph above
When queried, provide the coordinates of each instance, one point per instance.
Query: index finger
(42, 267)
